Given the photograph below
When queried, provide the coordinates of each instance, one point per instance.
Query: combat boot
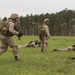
(72, 57)
(42, 50)
(16, 58)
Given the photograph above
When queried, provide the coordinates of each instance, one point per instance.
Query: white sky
(24, 7)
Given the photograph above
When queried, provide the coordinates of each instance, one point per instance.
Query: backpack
(3, 24)
(41, 31)
(4, 27)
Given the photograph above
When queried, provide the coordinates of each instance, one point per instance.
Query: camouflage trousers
(5, 42)
(22, 46)
(44, 46)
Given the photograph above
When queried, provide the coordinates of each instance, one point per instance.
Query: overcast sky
(24, 7)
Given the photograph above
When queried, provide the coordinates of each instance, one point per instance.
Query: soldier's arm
(11, 29)
(47, 31)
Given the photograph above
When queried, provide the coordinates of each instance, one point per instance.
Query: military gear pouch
(4, 29)
(41, 32)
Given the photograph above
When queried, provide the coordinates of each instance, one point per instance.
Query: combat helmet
(36, 42)
(14, 16)
(46, 20)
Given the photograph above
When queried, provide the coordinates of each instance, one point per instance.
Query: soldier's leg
(46, 45)
(22, 46)
(3, 47)
(14, 47)
(60, 49)
(15, 51)
(42, 46)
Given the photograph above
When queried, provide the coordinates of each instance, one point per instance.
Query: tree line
(60, 23)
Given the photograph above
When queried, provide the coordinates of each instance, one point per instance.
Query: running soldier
(6, 33)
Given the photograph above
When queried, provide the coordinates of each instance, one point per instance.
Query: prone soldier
(70, 48)
(34, 44)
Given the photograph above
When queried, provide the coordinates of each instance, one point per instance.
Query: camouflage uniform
(70, 48)
(30, 44)
(6, 40)
(46, 37)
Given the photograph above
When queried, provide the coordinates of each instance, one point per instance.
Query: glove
(20, 34)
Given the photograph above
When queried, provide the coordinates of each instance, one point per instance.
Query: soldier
(6, 36)
(34, 44)
(70, 48)
(44, 38)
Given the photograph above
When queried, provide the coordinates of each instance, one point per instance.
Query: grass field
(33, 62)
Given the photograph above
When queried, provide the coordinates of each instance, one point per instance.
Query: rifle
(16, 29)
(19, 37)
